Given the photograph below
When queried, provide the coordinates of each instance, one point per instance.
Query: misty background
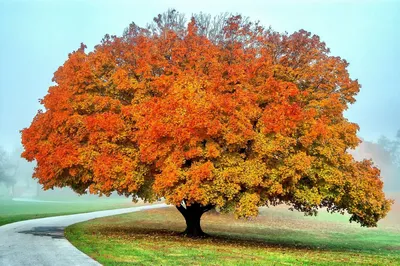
(36, 37)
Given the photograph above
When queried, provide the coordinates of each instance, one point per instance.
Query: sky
(37, 35)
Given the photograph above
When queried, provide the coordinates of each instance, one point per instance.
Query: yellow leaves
(273, 191)
(309, 196)
(89, 104)
(363, 194)
(248, 205)
(253, 173)
(292, 169)
(273, 145)
(169, 176)
(223, 187)
(122, 80)
(284, 73)
(247, 118)
(300, 162)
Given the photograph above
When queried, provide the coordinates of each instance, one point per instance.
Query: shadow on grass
(264, 238)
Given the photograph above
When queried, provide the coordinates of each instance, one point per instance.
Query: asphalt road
(42, 241)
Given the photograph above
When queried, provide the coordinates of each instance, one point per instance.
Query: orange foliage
(240, 118)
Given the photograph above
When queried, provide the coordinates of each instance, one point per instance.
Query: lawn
(276, 237)
(13, 211)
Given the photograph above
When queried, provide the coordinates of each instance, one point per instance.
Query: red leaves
(229, 115)
(281, 118)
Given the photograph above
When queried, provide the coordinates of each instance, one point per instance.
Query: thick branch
(207, 208)
(181, 209)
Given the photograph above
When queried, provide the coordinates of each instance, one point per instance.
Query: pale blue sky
(36, 37)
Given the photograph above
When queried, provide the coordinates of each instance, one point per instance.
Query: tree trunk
(192, 215)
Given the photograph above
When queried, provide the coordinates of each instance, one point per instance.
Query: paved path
(42, 242)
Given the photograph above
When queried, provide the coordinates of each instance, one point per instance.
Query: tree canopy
(214, 112)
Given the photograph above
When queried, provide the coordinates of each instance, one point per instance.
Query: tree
(392, 147)
(219, 113)
(7, 171)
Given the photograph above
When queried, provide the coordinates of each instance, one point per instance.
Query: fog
(36, 37)
(16, 182)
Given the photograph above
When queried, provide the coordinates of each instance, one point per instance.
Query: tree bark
(192, 215)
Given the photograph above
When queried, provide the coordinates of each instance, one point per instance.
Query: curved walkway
(42, 241)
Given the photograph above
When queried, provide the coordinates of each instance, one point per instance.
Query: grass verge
(14, 211)
(276, 237)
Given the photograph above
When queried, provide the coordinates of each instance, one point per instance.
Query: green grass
(14, 211)
(276, 237)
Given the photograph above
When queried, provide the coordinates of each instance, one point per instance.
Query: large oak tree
(214, 113)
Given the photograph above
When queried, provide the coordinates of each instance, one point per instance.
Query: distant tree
(383, 159)
(7, 171)
(214, 113)
(392, 146)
